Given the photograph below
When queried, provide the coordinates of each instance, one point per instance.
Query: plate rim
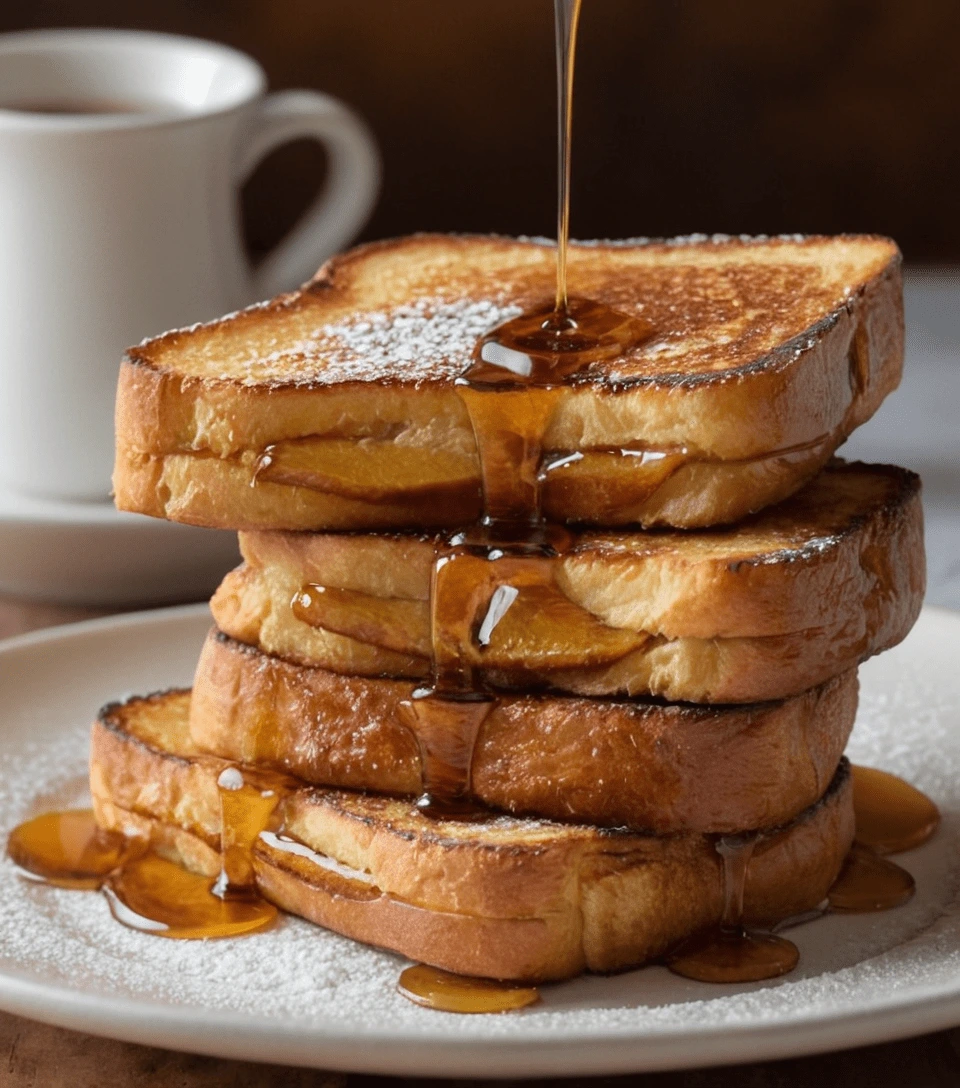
(240, 1036)
(138, 618)
(540, 1051)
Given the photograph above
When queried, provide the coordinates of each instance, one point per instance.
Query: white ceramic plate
(299, 995)
(90, 553)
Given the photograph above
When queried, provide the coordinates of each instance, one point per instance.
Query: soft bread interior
(208, 491)
(762, 610)
(368, 352)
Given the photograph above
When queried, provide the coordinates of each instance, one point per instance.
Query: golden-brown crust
(767, 609)
(509, 899)
(811, 382)
(537, 948)
(617, 763)
(788, 284)
(125, 769)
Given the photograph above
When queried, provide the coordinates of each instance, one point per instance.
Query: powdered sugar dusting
(298, 974)
(421, 341)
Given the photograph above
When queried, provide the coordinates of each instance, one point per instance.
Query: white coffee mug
(123, 221)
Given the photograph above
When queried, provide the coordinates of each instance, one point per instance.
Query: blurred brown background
(712, 115)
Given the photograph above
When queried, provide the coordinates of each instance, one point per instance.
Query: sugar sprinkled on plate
(298, 973)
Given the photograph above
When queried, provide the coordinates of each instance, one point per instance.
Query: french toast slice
(336, 407)
(634, 763)
(771, 607)
(506, 898)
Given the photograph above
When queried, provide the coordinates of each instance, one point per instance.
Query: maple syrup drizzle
(566, 20)
(436, 989)
(68, 849)
(159, 897)
(446, 724)
(146, 891)
(477, 577)
(730, 952)
(868, 882)
(510, 390)
(892, 816)
(247, 802)
(554, 341)
(509, 425)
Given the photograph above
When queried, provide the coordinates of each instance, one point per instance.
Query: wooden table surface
(33, 1055)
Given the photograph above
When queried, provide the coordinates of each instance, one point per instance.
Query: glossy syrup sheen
(156, 896)
(477, 578)
(566, 22)
(734, 955)
(553, 342)
(892, 816)
(510, 391)
(868, 883)
(67, 849)
(159, 897)
(543, 347)
(436, 989)
(730, 952)
(446, 724)
(146, 891)
(247, 802)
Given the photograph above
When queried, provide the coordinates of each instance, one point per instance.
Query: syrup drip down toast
(543, 655)
(771, 607)
(338, 407)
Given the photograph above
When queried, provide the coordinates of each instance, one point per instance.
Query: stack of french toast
(680, 672)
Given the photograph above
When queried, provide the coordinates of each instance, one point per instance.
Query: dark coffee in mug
(85, 106)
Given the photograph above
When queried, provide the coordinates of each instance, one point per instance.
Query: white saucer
(90, 553)
(300, 995)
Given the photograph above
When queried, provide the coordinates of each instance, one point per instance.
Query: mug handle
(341, 209)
